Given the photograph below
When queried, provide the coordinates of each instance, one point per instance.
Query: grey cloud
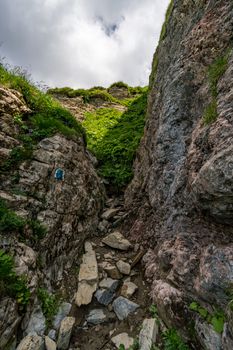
(81, 43)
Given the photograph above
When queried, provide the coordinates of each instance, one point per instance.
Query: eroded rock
(65, 333)
(148, 334)
(122, 339)
(116, 240)
(123, 307)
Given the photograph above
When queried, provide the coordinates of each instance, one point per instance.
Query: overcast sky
(82, 43)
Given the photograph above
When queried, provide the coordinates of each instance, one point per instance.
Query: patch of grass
(172, 340)
(10, 283)
(210, 113)
(167, 16)
(217, 319)
(47, 116)
(119, 84)
(10, 222)
(49, 304)
(114, 136)
(215, 71)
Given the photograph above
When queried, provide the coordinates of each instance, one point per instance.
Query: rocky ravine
(181, 193)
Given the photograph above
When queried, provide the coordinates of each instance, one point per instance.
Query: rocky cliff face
(68, 208)
(182, 189)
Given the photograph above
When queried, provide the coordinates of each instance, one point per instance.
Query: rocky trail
(110, 307)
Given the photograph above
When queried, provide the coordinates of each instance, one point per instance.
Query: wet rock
(96, 316)
(123, 267)
(37, 322)
(148, 334)
(31, 342)
(109, 283)
(207, 336)
(65, 333)
(116, 240)
(88, 277)
(63, 311)
(122, 339)
(104, 296)
(123, 307)
(50, 344)
(109, 213)
(128, 289)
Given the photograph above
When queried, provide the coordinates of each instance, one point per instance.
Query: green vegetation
(215, 71)
(135, 346)
(217, 319)
(167, 16)
(10, 283)
(172, 340)
(10, 222)
(153, 310)
(119, 84)
(47, 117)
(49, 304)
(114, 136)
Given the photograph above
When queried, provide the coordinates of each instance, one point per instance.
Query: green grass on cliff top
(113, 137)
(48, 116)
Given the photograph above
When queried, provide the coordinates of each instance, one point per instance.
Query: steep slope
(181, 193)
(44, 220)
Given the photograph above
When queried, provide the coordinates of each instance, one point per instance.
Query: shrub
(172, 340)
(119, 84)
(210, 113)
(49, 304)
(217, 319)
(10, 283)
(9, 221)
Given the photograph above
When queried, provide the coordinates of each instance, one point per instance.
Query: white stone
(50, 344)
(31, 342)
(109, 213)
(65, 333)
(116, 240)
(128, 289)
(88, 277)
(123, 267)
(148, 334)
(123, 339)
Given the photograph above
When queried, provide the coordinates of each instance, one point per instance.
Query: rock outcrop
(68, 209)
(181, 193)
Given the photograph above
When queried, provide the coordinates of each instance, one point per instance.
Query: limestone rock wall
(181, 196)
(69, 209)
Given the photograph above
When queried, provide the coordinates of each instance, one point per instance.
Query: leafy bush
(10, 283)
(217, 319)
(9, 221)
(172, 341)
(114, 136)
(119, 84)
(49, 304)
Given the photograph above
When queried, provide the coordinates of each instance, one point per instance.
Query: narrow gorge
(116, 204)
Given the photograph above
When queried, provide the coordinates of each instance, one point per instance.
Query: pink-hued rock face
(181, 196)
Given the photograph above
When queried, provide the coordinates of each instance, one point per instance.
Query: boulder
(31, 342)
(65, 333)
(88, 277)
(117, 240)
(109, 213)
(96, 316)
(148, 334)
(63, 311)
(128, 289)
(123, 307)
(123, 267)
(50, 344)
(37, 322)
(122, 339)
